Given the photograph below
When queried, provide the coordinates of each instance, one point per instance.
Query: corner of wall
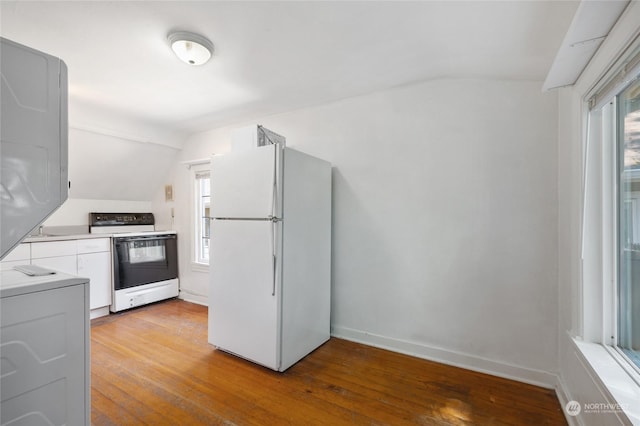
(564, 397)
(457, 359)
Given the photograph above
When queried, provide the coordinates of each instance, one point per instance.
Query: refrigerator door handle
(273, 255)
(274, 186)
(251, 219)
(273, 289)
(269, 218)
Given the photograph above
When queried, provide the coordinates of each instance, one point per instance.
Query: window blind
(621, 76)
(203, 174)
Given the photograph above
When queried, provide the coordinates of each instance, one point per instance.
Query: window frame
(616, 125)
(584, 290)
(198, 263)
(601, 230)
(595, 335)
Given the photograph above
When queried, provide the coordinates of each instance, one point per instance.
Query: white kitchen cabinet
(89, 258)
(65, 264)
(57, 255)
(21, 255)
(97, 267)
(94, 262)
(94, 245)
(53, 249)
(44, 335)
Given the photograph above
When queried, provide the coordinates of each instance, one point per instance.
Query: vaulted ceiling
(272, 57)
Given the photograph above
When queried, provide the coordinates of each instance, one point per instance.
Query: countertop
(81, 236)
(48, 237)
(13, 283)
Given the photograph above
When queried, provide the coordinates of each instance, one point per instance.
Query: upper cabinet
(34, 140)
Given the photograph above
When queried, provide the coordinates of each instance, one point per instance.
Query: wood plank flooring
(153, 366)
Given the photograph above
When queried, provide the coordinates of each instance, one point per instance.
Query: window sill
(620, 385)
(199, 267)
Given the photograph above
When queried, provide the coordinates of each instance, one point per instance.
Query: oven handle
(160, 237)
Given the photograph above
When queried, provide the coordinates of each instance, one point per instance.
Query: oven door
(140, 259)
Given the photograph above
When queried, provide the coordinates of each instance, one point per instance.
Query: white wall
(445, 219)
(110, 173)
(75, 211)
(113, 168)
(193, 281)
(88, 116)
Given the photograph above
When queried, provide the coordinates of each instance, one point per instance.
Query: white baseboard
(564, 397)
(457, 359)
(193, 298)
(99, 312)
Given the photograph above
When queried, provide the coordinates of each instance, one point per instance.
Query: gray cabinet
(44, 339)
(33, 139)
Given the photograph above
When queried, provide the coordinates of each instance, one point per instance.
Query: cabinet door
(8, 265)
(22, 252)
(97, 267)
(64, 264)
(94, 245)
(53, 249)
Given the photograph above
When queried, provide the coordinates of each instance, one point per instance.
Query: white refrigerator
(270, 269)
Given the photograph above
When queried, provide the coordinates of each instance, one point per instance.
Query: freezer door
(242, 183)
(243, 307)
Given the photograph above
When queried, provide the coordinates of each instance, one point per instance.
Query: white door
(242, 183)
(97, 267)
(243, 310)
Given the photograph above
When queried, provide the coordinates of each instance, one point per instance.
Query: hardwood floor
(153, 365)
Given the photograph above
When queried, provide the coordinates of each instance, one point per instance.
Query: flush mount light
(191, 48)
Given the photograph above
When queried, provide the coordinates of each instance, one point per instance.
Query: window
(611, 221)
(202, 213)
(600, 320)
(628, 195)
(612, 218)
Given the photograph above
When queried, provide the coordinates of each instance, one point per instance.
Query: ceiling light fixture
(191, 48)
